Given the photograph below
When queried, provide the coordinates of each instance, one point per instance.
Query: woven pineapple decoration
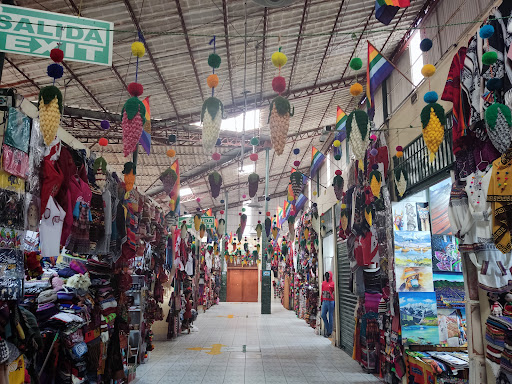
(296, 182)
(433, 121)
(375, 181)
(215, 180)
(280, 109)
(358, 132)
(338, 184)
(259, 229)
(254, 180)
(50, 108)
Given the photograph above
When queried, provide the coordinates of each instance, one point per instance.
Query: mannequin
(328, 303)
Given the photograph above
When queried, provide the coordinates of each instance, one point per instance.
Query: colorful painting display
(449, 289)
(423, 212)
(445, 254)
(414, 279)
(439, 201)
(418, 318)
(413, 249)
(452, 327)
(405, 217)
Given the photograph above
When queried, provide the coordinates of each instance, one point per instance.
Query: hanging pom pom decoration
(430, 97)
(358, 131)
(216, 156)
(280, 109)
(221, 227)
(336, 143)
(426, 45)
(268, 225)
(486, 31)
(55, 71)
(498, 120)
(50, 109)
(296, 163)
(296, 151)
(399, 151)
(489, 58)
(373, 137)
(428, 70)
(338, 184)
(168, 179)
(356, 89)
(103, 142)
(296, 182)
(433, 121)
(138, 49)
(291, 227)
(213, 109)
(259, 229)
(133, 120)
(170, 153)
(375, 182)
(253, 157)
(215, 180)
(254, 180)
(255, 141)
(105, 124)
(356, 63)
(57, 55)
(400, 181)
(129, 172)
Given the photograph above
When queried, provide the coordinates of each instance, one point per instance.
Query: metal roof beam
(226, 38)
(187, 41)
(263, 42)
(151, 58)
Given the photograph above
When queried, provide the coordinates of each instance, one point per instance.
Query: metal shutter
(348, 301)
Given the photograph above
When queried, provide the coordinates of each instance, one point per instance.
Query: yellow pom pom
(343, 206)
(279, 59)
(428, 70)
(212, 81)
(138, 49)
(171, 152)
(356, 89)
(336, 143)
(399, 154)
(314, 193)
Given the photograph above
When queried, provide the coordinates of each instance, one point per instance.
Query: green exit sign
(35, 33)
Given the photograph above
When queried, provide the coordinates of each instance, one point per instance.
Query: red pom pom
(135, 89)
(259, 221)
(239, 213)
(338, 172)
(103, 142)
(216, 156)
(268, 213)
(198, 199)
(399, 148)
(296, 163)
(254, 156)
(279, 84)
(57, 55)
(221, 212)
(244, 196)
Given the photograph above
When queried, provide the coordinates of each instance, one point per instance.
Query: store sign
(209, 222)
(35, 33)
(189, 220)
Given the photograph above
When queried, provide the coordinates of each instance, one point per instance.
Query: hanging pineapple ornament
(239, 233)
(197, 222)
(213, 109)
(280, 109)
(296, 182)
(358, 132)
(400, 181)
(275, 231)
(291, 227)
(259, 229)
(215, 180)
(268, 226)
(254, 180)
(129, 172)
(243, 222)
(221, 227)
(433, 120)
(338, 184)
(368, 215)
(375, 181)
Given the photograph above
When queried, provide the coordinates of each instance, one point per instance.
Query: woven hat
(47, 296)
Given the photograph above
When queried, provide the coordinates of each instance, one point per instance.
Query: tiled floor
(279, 349)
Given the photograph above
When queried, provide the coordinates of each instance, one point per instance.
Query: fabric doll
(508, 306)
(496, 308)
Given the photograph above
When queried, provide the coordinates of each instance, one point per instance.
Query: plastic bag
(17, 133)
(15, 161)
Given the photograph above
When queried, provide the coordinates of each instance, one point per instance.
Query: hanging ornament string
(213, 40)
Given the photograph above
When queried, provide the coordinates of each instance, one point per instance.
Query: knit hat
(45, 311)
(47, 296)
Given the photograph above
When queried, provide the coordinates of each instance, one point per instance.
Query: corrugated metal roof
(320, 60)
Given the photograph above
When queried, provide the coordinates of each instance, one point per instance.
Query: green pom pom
(356, 63)
(361, 119)
(491, 114)
(213, 105)
(214, 60)
(132, 106)
(49, 93)
(282, 105)
(337, 157)
(255, 141)
(489, 58)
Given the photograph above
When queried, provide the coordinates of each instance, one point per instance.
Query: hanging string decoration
(358, 132)
(268, 226)
(375, 181)
(169, 179)
(221, 227)
(291, 227)
(498, 120)
(170, 153)
(215, 180)
(254, 180)
(280, 109)
(259, 229)
(433, 120)
(338, 184)
(129, 172)
(296, 180)
(401, 179)
(213, 109)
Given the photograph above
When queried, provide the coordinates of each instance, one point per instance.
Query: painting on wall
(452, 327)
(405, 216)
(439, 201)
(414, 279)
(413, 249)
(423, 212)
(418, 318)
(445, 254)
(449, 289)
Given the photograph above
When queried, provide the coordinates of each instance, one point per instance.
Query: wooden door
(250, 286)
(234, 285)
